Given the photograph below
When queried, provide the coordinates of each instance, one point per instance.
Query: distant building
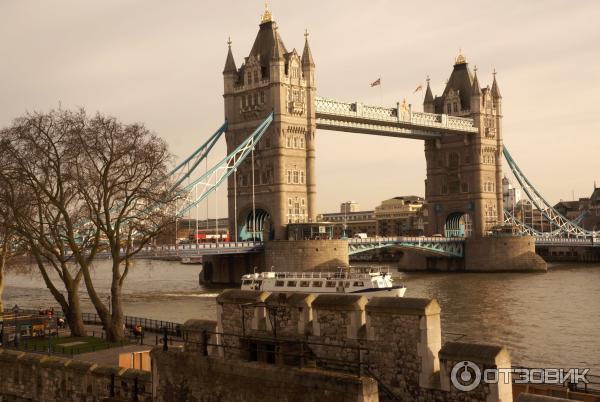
(353, 222)
(400, 216)
(349, 206)
(511, 195)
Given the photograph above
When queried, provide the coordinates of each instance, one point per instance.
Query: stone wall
(502, 253)
(33, 377)
(228, 269)
(185, 376)
(305, 255)
(396, 341)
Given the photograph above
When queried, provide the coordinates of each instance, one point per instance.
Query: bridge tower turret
(271, 79)
(464, 172)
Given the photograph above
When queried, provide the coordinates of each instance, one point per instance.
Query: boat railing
(321, 275)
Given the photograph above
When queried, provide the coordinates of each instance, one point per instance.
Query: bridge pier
(482, 254)
(227, 269)
(279, 255)
(502, 254)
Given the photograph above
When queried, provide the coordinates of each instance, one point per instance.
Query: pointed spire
(476, 90)
(495, 89)
(307, 59)
(230, 62)
(428, 94)
(277, 53)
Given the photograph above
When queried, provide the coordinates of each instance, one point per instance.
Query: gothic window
(301, 143)
(449, 108)
(295, 142)
(455, 107)
(289, 176)
(249, 78)
(464, 187)
(289, 201)
(302, 201)
(256, 99)
(302, 179)
(296, 177)
(453, 160)
(288, 141)
(255, 76)
(444, 189)
(262, 96)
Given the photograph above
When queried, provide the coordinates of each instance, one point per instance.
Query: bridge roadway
(400, 121)
(444, 246)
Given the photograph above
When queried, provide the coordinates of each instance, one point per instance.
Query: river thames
(545, 319)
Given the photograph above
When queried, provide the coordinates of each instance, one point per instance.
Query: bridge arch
(458, 224)
(264, 229)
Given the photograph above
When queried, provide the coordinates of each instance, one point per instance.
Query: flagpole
(380, 93)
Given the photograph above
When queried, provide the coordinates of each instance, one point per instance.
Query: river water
(545, 319)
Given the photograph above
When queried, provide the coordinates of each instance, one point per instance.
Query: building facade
(400, 216)
(277, 185)
(464, 173)
(351, 223)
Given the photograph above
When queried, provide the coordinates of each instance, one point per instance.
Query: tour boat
(367, 282)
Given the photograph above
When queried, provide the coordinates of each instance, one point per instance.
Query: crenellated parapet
(397, 341)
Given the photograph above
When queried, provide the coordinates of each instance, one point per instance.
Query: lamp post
(16, 313)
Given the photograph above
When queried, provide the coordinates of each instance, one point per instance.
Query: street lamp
(16, 313)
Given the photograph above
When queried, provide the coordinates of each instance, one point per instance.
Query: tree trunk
(115, 331)
(1, 287)
(73, 315)
(3, 259)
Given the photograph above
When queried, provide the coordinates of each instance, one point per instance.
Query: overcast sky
(160, 63)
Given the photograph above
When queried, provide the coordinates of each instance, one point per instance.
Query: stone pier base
(228, 269)
(502, 254)
(482, 254)
(279, 255)
(306, 255)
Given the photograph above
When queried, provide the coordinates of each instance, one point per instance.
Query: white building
(512, 195)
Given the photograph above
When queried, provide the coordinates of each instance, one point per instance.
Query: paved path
(110, 356)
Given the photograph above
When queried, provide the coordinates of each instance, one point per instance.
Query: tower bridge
(272, 115)
(461, 130)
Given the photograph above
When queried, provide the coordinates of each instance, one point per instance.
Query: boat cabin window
(247, 282)
(278, 283)
(304, 284)
(330, 284)
(317, 284)
(359, 284)
(292, 283)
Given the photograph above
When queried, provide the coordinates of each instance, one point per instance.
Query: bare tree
(122, 172)
(43, 206)
(78, 186)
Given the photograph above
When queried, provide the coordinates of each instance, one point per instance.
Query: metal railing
(590, 387)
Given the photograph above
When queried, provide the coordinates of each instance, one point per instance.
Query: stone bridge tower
(271, 79)
(464, 173)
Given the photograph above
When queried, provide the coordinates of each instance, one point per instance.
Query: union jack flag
(376, 82)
